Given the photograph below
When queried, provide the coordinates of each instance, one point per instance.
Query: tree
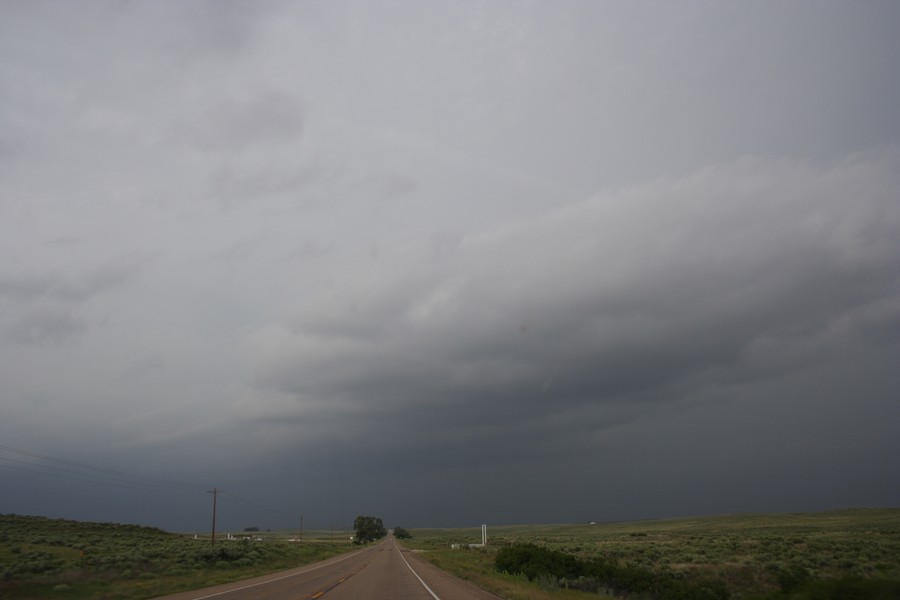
(368, 529)
(402, 534)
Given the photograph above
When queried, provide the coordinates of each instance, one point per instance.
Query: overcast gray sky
(448, 263)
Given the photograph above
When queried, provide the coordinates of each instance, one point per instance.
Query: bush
(533, 561)
(792, 578)
(846, 588)
(542, 565)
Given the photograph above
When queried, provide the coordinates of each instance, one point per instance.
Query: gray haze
(447, 263)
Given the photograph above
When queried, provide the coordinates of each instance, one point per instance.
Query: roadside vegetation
(56, 558)
(837, 554)
(368, 529)
(848, 554)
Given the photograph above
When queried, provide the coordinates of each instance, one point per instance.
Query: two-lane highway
(383, 571)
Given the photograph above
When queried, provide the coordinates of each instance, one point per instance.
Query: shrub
(791, 578)
(542, 565)
(534, 561)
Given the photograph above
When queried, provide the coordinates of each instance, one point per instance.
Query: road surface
(384, 571)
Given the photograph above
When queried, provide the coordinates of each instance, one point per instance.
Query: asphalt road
(384, 571)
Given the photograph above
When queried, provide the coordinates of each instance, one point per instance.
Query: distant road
(383, 571)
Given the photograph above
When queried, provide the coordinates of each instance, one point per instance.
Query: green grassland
(851, 554)
(838, 554)
(56, 558)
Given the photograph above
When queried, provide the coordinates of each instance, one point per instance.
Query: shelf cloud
(449, 263)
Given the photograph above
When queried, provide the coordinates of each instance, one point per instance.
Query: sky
(447, 263)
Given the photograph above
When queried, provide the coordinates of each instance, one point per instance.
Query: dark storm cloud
(444, 260)
(239, 185)
(47, 307)
(731, 276)
(233, 126)
(68, 287)
(45, 327)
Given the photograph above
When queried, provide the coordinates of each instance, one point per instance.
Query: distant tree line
(401, 534)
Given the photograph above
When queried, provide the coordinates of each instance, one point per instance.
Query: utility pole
(301, 528)
(215, 493)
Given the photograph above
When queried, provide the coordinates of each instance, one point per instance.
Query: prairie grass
(42, 557)
(753, 555)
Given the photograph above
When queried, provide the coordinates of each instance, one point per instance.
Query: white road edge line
(283, 577)
(433, 595)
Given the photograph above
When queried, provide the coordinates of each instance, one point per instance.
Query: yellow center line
(321, 593)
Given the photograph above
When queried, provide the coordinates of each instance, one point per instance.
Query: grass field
(55, 558)
(847, 554)
(808, 555)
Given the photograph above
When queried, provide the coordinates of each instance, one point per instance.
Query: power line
(94, 478)
(215, 492)
(261, 507)
(72, 476)
(318, 524)
(43, 464)
(37, 463)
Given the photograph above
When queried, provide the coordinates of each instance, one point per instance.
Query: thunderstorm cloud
(447, 263)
